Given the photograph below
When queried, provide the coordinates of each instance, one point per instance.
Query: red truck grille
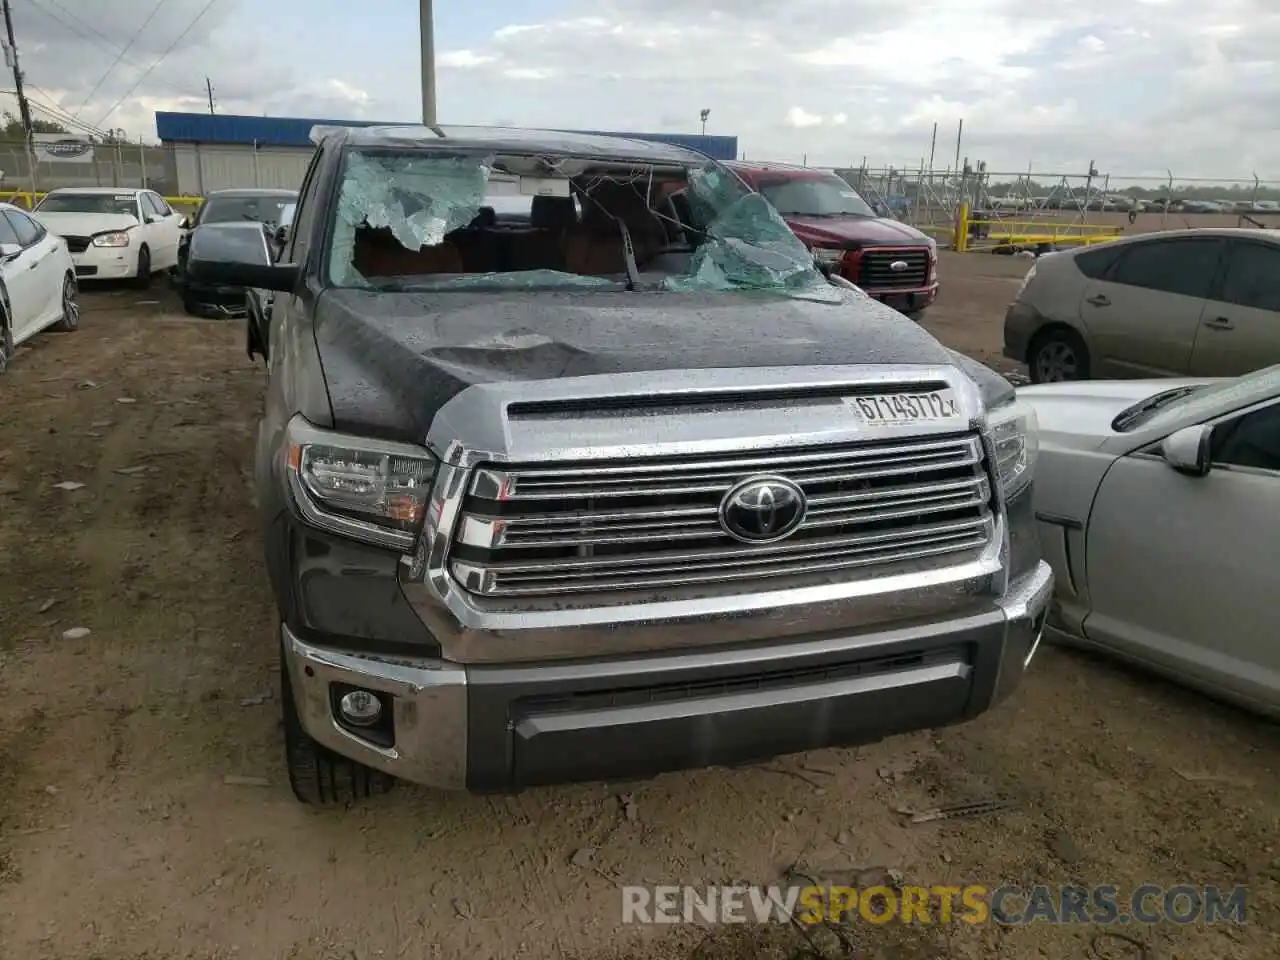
(896, 268)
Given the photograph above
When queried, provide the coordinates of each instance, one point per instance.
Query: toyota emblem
(762, 509)
(898, 266)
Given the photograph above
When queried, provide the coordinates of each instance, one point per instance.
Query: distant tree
(12, 129)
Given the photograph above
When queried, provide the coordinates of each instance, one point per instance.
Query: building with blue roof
(216, 151)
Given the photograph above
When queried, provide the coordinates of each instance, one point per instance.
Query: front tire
(70, 306)
(317, 775)
(143, 278)
(6, 334)
(1058, 356)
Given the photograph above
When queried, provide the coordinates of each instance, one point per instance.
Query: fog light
(360, 708)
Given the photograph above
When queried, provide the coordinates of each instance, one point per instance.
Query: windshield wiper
(1130, 415)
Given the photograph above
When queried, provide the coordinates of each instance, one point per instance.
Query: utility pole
(427, 41)
(702, 115)
(24, 108)
(208, 85)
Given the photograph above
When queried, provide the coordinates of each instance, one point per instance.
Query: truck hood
(391, 360)
(84, 224)
(854, 231)
(1079, 414)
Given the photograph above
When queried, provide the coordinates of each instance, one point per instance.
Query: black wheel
(191, 306)
(1057, 356)
(6, 335)
(70, 306)
(317, 774)
(143, 280)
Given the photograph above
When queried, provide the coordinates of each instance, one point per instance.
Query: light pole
(703, 117)
(428, 66)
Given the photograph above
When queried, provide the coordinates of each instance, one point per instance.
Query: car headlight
(111, 240)
(827, 256)
(1015, 434)
(371, 490)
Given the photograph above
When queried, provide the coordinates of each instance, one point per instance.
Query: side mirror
(150, 220)
(10, 251)
(186, 223)
(1187, 450)
(234, 273)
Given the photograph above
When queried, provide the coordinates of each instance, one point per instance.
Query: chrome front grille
(647, 524)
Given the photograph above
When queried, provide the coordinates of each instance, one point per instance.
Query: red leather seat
(378, 253)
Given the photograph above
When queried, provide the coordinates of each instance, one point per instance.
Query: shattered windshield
(812, 196)
(413, 219)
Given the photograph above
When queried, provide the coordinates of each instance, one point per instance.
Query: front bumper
(106, 263)
(491, 728)
(905, 301)
(218, 301)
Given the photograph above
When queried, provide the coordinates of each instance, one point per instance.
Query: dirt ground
(144, 811)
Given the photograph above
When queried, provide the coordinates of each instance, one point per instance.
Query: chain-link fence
(1003, 208)
(104, 165)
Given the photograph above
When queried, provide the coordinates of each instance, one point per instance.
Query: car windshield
(125, 203)
(1211, 399)
(813, 196)
(232, 209)
(409, 218)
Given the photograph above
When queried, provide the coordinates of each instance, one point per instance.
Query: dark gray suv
(623, 487)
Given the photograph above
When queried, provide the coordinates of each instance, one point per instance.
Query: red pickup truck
(890, 261)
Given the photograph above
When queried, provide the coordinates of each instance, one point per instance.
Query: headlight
(111, 240)
(827, 255)
(1015, 434)
(371, 490)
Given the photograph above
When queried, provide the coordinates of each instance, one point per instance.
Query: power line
(88, 32)
(119, 56)
(71, 124)
(191, 26)
(60, 114)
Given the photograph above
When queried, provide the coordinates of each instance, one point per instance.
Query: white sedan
(1156, 502)
(114, 233)
(37, 282)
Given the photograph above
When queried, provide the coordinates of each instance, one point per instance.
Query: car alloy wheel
(70, 306)
(1056, 362)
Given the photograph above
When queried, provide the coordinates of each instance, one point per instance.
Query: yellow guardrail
(28, 198)
(1025, 233)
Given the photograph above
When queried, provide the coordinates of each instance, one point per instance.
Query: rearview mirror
(1187, 450)
(10, 251)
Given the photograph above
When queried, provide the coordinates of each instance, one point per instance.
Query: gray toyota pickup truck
(573, 467)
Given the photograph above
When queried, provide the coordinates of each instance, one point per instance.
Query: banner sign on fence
(62, 148)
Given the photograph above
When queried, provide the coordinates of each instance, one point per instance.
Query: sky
(1138, 87)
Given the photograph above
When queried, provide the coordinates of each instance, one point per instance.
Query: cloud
(800, 118)
(1135, 86)
(461, 59)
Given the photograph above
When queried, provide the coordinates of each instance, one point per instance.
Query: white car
(1156, 503)
(37, 281)
(114, 233)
